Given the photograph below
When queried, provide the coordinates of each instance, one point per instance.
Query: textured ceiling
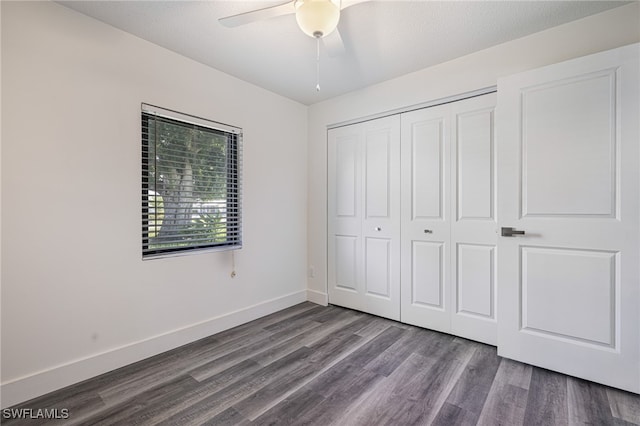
(383, 39)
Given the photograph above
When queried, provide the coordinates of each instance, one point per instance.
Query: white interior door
(345, 212)
(568, 177)
(381, 222)
(474, 225)
(426, 233)
(449, 218)
(364, 216)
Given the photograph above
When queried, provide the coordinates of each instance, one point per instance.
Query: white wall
(77, 299)
(614, 28)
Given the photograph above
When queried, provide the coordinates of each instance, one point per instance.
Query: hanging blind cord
(233, 263)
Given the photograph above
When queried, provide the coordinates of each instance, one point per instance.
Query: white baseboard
(37, 384)
(317, 297)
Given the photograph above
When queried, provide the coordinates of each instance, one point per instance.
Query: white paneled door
(426, 233)
(474, 256)
(449, 218)
(364, 216)
(568, 155)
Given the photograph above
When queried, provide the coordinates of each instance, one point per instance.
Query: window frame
(233, 170)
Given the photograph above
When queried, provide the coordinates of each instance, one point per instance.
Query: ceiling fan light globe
(317, 18)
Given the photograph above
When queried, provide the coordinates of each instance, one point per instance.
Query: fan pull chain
(317, 64)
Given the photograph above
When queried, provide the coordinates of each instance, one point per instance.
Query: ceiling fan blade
(349, 3)
(333, 44)
(258, 15)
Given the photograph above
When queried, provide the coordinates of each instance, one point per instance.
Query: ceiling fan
(316, 18)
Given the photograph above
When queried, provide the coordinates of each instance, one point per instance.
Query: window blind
(191, 184)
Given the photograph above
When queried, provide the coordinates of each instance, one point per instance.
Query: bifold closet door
(474, 228)
(426, 233)
(568, 152)
(449, 225)
(364, 216)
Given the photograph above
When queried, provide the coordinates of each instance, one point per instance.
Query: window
(191, 184)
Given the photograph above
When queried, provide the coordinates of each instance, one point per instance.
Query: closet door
(345, 213)
(473, 224)
(426, 234)
(364, 216)
(568, 178)
(449, 225)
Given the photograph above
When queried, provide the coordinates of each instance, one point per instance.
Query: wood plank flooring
(313, 365)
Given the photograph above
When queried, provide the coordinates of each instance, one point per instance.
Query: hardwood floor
(313, 365)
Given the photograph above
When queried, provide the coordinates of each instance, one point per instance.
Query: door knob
(510, 232)
(377, 228)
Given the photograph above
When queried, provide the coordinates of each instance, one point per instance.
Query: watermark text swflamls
(35, 413)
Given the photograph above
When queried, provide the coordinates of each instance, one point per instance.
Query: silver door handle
(510, 232)
(377, 228)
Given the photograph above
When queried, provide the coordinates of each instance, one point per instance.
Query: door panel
(582, 282)
(427, 281)
(569, 168)
(381, 223)
(569, 158)
(377, 168)
(344, 242)
(474, 228)
(475, 165)
(346, 177)
(475, 283)
(426, 230)
(427, 145)
(346, 254)
(378, 267)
